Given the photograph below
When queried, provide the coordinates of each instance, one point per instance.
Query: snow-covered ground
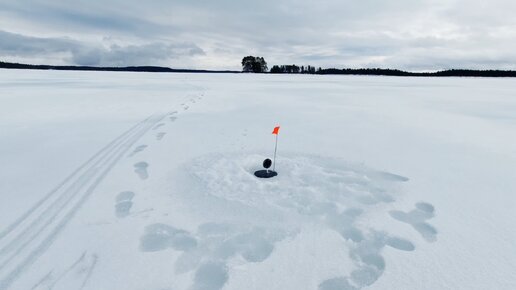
(144, 181)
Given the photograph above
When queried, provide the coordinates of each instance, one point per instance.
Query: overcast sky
(216, 34)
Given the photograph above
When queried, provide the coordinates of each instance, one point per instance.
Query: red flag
(276, 130)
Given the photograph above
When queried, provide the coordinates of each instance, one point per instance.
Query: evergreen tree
(276, 69)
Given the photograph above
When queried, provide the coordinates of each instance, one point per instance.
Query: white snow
(145, 181)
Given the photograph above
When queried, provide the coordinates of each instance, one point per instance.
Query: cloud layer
(405, 34)
(71, 51)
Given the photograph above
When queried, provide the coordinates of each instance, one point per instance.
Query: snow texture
(145, 181)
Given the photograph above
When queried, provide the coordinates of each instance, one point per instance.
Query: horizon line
(325, 71)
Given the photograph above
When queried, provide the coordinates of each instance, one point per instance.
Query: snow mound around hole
(308, 184)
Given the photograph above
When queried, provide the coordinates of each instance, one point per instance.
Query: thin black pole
(275, 149)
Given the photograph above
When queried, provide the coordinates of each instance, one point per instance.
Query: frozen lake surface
(145, 181)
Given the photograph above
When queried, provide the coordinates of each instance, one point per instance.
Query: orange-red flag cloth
(276, 130)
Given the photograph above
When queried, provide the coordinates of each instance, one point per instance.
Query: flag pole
(275, 149)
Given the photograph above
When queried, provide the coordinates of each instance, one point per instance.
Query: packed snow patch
(306, 184)
(250, 216)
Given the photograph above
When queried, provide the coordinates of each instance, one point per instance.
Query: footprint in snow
(160, 135)
(209, 250)
(186, 107)
(141, 169)
(138, 149)
(365, 249)
(173, 119)
(417, 218)
(211, 275)
(158, 126)
(123, 203)
(158, 237)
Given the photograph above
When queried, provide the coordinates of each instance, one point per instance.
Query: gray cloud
(16, 44)
(405, 34)
(85, 54)
(82, 15)
(148, 54)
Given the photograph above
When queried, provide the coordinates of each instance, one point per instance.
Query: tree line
(294, 69)
(11, 65)
(259, 65)
(279, 69)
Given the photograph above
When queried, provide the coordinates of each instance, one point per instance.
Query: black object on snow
(267, 163)
(266, 173)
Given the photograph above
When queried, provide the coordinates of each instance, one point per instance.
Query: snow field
(384, 183)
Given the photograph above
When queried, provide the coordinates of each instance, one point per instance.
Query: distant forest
(400, 73)
(261, 67)
(295, 69)
(10, 65)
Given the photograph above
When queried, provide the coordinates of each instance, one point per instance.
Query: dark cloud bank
(79, 53)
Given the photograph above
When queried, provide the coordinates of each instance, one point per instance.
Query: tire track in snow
(24, 241)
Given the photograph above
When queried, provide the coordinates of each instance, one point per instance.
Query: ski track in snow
(77, 274)
(25, 240)
(28, 237)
